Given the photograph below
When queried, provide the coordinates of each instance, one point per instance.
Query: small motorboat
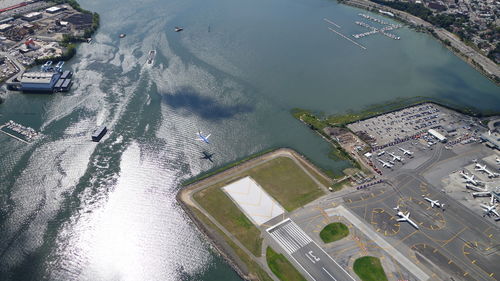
(178, 29)
(122, 35)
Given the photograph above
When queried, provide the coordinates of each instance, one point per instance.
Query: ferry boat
(99, 133)
(151, 56)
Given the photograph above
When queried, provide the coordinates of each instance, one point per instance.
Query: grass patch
(281, 267)
(369, 269)
(253, 267)
(326, 181)
(222, 208)
(286, 182)
(333, 232)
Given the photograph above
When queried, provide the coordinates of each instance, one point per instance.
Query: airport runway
(306, 253)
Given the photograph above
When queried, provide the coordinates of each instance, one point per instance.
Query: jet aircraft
(469, 179)
(203, 138)
(434, 203)
(483, 168)
(385, 164)
(406, 152)
(405, 218)
(489, 210)
(396, 157)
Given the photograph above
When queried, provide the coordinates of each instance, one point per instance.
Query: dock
(331, 22)
(347, 38)
(28, 133)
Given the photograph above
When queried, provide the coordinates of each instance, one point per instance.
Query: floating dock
(25, 134)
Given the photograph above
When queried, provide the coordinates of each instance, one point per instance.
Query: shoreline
(478, 61)
(215, 235)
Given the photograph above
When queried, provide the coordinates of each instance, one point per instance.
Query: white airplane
(381, 153)
(395, 157)
(385, 164)
(483, 168)
(405, 218)
(488, 210)
(434, 203)
(469, 179)
(476, 188)
(405, 152)
(202, 138)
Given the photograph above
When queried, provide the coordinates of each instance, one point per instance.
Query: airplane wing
(484, 206)
(432, 204)
(401, 219)
(495, 212)
(208, 136)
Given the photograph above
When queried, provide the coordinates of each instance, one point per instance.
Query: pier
(345, 37)
(331, 22)
(27, 133)
(374, 30)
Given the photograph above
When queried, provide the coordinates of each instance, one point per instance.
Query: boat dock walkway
(349, 39)
(28, 133)
(331, 22)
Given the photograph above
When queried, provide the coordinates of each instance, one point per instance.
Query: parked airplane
(207, 156)
(434, 202)
(488, 210)
(476, 188)
(405, 152)
(395, 157)
(483, 168)
(469, 179)
(203, 138)
(405, 218)
(385, 164)
(381, 153)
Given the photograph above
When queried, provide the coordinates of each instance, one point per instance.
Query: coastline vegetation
(282, 267)
(253, 268)
(230, 216)
(333, 232)
(369, 269)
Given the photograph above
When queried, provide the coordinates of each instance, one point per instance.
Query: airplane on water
(469, 179)
(385, 164)
(207, 156)
(489, 210)
(483, 168)
(405, 218)
(434, 203)
(405, 152)
(203, 138)
(396, 157)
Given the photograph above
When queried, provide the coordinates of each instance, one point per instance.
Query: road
(306, 253)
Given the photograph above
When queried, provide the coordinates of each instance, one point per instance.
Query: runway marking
(329, 274)
(454, 236)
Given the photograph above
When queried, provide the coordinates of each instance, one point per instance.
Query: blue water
(71, 209)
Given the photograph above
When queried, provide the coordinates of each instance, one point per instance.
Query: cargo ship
(151, 56)
(99, 133)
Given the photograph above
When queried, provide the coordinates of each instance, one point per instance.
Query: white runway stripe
(290, 236)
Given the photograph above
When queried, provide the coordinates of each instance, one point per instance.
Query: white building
(437, 135)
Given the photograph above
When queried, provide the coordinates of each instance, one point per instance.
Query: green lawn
(333, 232)
(286, 182)
(222, 208)
(280, 177)
(281, 267)
(369, 269)
(253, 267)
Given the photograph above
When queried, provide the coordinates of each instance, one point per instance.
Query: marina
(19, 132)
(374, 30)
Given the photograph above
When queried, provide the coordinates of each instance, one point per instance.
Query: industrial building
(491, 139)
(39, 81)
(32, 16)
(437, 135)
(55, 9)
